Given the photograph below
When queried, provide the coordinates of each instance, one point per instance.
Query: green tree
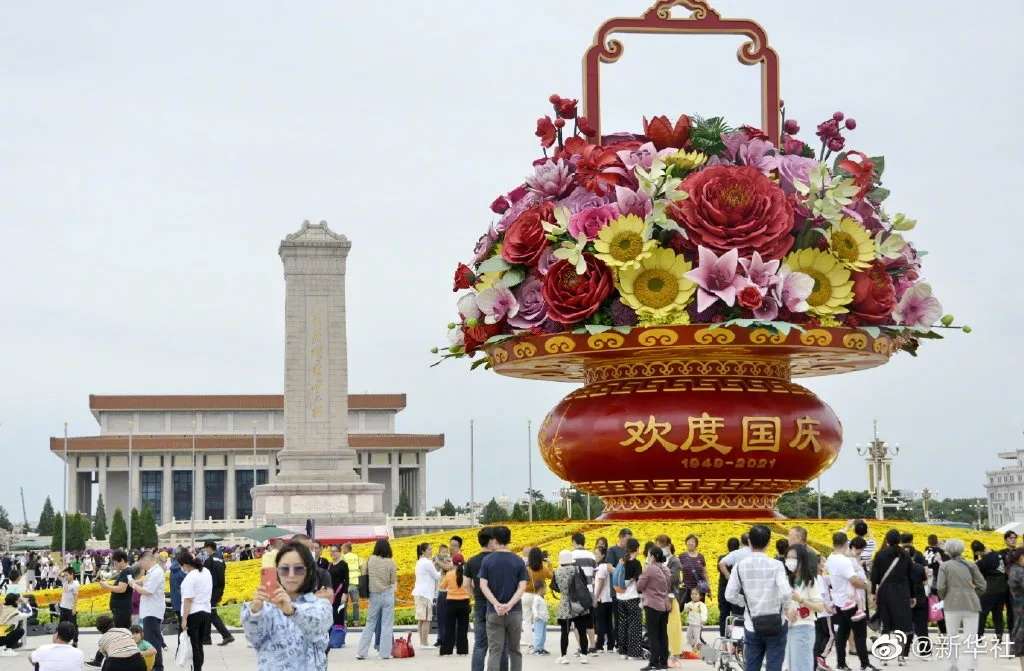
(802, 503)
(520, 513)
(448, 508)
(118, 531)
(58, 532)
(75, 539)
(99, 524)
(86, 530)
(45, 527)
(148, 535)
(847, 504)
(136, 530)
(403, 507)
(5, 521)
(493, 512)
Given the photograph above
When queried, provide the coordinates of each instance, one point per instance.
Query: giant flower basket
(685, 273)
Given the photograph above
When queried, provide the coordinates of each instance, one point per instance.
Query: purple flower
(794, 168)
(716, 278)
(622, 314)
(918, 307)
(582, 198)
(484, 245)
(497, 303)
(550, 178)
(590, 221)
(532, 308)
(790, 290)
(761, 273)
(633, 202)
(518, 207)
(756, 153)
(642, 157)
(864, 212)
(546, 260)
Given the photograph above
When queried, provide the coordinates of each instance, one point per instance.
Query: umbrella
(32, 544)
(209, 537)
(265, 533)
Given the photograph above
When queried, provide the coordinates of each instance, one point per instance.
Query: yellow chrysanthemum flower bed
(243, 577)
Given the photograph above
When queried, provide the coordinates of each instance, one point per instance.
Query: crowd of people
(780, 601)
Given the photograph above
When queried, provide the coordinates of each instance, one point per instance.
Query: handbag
(364, 586)
(338, 633)
(765, 626)
(935, 613)
(183, 654)
(402, 647)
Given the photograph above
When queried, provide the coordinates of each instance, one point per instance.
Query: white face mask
(791, 565)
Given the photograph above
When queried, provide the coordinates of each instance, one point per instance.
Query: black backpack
(578, 591)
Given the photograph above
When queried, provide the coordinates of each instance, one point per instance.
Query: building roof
(102, 402)
(183, 442)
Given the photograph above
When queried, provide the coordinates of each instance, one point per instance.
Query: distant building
(1006, 491)
(236, 440)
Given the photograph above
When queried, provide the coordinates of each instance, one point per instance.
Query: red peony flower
(663, 134)
(874, 296)
(475, 336)
(545, 131)
(750, 297)
(499, 205)
(571, 297)
(565, 108)
(464, 277)
(735, 207)
(525, 239)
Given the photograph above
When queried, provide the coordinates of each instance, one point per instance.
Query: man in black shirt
(472, 571)
(1010, 538)
(120, 596)
(215, 565)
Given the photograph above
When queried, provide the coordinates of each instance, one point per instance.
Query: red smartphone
(268, 579)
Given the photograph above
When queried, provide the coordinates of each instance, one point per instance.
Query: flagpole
(252, 511)
(131, 434)
(64, 520)
(192, 506)
(472, 470)
(529, 464)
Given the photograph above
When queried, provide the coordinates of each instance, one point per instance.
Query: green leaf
(836, 170)
(624, 330)
(878, 194)
(594, 329)
(579, 330)
(512, 277)
(879, 162)
(493, 264)
(499, 338)
(902, 222)
(486, 362)
(872, 331)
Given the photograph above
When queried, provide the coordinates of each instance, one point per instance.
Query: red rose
(754, 133)
(566, 108)
(874, 296)
(545, 131)
(662, 133)
(464, 277)
(571, 297)
(525, 239)
(750, 297)
(735, 207)
(475, 336)
(499, 205)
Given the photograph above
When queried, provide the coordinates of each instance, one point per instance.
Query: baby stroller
(727, 652)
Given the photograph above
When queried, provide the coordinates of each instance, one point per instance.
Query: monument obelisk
(317, 477)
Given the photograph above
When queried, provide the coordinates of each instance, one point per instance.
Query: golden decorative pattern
(550, 447)
(855, 340)
(559, 344)
(719, 336)
(756, 503)
(499, 356)
(605, 340)
(524, 350)
(761, 336)
(819, 337)
(686, 485)
(653, 337)
(883, 345)
(642, 369)
(687, 385)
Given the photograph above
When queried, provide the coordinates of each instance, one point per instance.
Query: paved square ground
(238, 657)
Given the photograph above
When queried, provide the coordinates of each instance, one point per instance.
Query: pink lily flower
(633, 202)
(918, 307)
(716, 278)
(759, 272)
(497, 303)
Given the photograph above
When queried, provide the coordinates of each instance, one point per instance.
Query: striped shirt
(118, 644)
(759, 585)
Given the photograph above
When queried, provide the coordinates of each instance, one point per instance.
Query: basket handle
(704, 20)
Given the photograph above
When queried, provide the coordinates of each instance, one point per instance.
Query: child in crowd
(696, 617)
(540, 619)
(147, 650)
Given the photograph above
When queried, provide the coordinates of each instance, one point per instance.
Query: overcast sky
(152, 155)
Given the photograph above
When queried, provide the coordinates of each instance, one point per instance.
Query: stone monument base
(324, 502)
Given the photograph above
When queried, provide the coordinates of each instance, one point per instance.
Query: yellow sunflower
(621, 243)
(852, 244)
(833, 288)
(658, 286)
(686, 161)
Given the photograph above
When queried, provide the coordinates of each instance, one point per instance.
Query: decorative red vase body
(690, 421)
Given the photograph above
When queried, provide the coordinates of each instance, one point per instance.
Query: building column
(230, 499)
(72, 471)
(134, 496)
(198, 491)
(102, 484)
(396, 491)
(167, 491)
(420, 506)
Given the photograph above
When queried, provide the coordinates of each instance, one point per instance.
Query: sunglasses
(297, 571)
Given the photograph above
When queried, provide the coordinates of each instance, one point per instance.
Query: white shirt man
(151, 600)
(59, 655)
(841, 569)
(759, 584)
(584, 559)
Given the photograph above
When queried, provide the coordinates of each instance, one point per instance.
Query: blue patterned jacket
(297, 641)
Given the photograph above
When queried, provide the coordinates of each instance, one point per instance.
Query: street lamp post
(252, 512)
(977, 507)
(529, 466)
(879, 455)
(926, 496)
(64, 520)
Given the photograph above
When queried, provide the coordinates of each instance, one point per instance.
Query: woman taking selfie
(288, 627)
